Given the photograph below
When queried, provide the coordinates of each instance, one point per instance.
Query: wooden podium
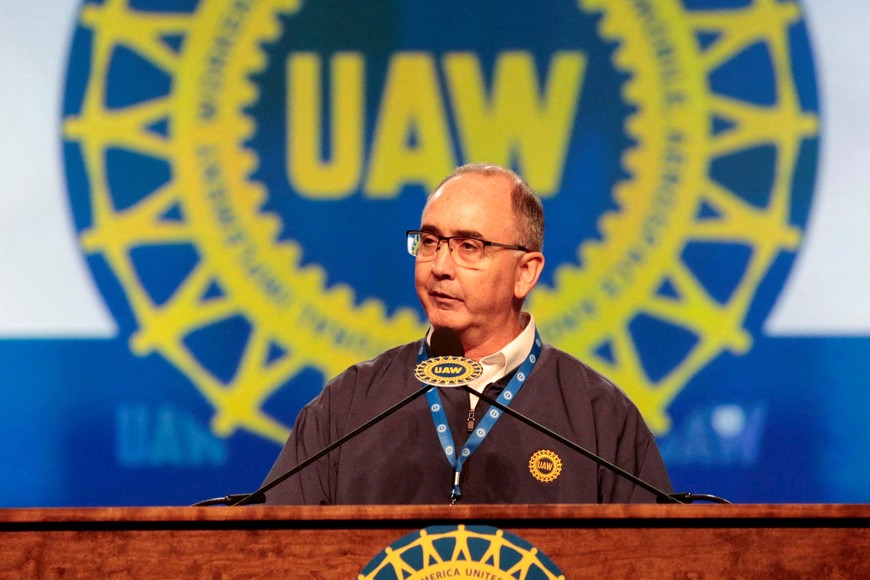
(609, 541)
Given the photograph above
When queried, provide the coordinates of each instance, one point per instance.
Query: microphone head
(445, 342)
(447, 366)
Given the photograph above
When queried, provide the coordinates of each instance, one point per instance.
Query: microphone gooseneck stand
(442, 342)
(261, 493)
(259, 496)
(445, 342)
(661, 496)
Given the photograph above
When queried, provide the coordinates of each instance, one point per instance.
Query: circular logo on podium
(459, 552)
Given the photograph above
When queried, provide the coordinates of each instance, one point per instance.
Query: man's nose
(443, 262)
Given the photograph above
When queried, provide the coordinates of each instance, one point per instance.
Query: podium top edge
(499, 515)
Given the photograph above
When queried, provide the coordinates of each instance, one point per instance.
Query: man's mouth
(442, 297)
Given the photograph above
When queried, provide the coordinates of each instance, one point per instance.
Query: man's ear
(529, 269)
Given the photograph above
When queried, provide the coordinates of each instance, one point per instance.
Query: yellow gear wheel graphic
(290, 308)
(498, 551)
(661, 204)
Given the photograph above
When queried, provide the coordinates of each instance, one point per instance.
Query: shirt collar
(514, 352)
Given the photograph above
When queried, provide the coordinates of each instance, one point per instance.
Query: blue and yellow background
(204, 203)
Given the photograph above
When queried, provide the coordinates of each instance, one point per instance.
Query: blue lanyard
(442, 428)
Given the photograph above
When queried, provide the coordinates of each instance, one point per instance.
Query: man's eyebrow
(468, 234)
(459, 233)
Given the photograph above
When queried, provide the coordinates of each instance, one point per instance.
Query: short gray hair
(527, 206)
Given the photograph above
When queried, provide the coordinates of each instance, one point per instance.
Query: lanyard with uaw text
(485, 426)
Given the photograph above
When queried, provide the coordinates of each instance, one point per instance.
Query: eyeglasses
(464, 250)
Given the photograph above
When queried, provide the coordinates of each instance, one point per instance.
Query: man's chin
(446, 320)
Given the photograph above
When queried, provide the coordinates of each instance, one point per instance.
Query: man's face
(480, 303)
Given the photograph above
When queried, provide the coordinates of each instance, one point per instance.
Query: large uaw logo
(242, 171)
(461, 552)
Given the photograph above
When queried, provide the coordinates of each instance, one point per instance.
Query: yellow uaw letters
(514, 120)
(308, 173)
(411, 105)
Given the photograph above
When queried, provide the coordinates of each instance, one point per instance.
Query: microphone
(446, 368)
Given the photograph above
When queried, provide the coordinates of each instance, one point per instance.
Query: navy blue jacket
(400, 460)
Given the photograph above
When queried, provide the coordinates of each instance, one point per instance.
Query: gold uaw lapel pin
(545, 465)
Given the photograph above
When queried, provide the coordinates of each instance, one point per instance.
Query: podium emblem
(461, 552)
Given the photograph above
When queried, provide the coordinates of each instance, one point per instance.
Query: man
(478, 255)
